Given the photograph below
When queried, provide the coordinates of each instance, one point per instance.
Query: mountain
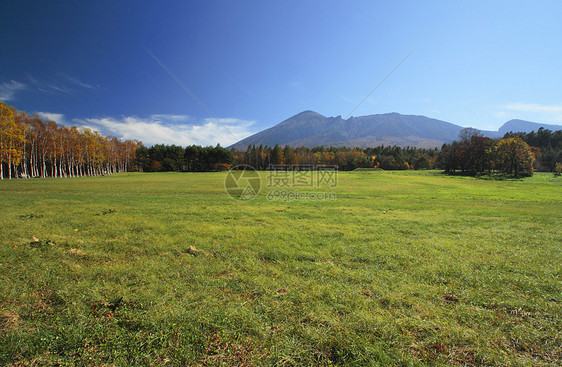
(311, 129)
(525, 126)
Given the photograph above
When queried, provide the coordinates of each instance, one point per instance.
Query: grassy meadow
(404, 268)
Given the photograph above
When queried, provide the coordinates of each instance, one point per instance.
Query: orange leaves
(515, 156)
(12, 136)
(46, 149)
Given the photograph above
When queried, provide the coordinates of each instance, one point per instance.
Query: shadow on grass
(494, 176)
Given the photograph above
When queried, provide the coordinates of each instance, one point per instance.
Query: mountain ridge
(309, 128)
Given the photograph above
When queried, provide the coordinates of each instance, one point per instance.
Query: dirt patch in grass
(9, 320)
(238, 352)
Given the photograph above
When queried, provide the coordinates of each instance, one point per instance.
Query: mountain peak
(310, 129)
(307, 113)
(525, 126)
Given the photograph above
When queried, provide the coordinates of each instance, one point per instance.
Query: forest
(547, 146)
(472, 154)
(33, 147)
(161, 157)
(518, 154)
(346, 159)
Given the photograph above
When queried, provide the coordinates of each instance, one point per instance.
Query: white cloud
(164, 129)
(58, 88)
(58, 83)
(61, 83)
(9, 89)
(56, 117)
(174, 118)
(537, 112)
(75, 81)
(501, 114)
(345, 98)
(534, 107)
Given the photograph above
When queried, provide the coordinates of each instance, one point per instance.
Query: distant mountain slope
(302, 125)
(311, 129)
(525, 126)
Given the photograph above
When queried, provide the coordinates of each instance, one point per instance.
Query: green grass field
(403, 268)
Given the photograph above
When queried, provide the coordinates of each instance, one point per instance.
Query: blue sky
(254, 64)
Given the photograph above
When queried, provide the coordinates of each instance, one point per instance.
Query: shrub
(557, 169)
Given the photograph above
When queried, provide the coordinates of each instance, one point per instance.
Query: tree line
(162, 157)
(346, 159)
(33, 147)
(475, 154)
(547, 147)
